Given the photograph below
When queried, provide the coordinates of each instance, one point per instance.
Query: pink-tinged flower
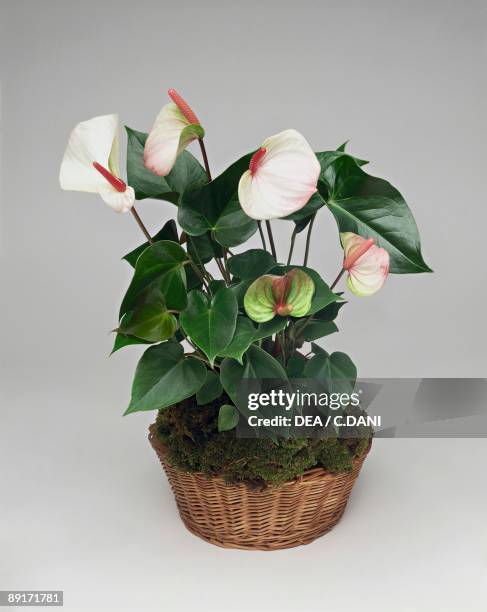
(367, 264)
(281, 178)
(175, 127)
(271, 295)
(91, 163)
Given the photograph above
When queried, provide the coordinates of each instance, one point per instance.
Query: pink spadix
(183, 106)
(114, 181)
(361, 250)
(256, 159)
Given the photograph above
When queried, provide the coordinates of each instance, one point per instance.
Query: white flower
(91, 163)
(175, 127)
(281, 178)
(367, 264)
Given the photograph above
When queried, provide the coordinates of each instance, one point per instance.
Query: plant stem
(293, 239)
(222, 270)
(225, 261)
(199, 274)
(308, 240)
(141, 225)
(271, 239)
(262, 237)
(205, 158)
(337, 279)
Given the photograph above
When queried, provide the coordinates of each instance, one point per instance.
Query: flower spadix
(272, 295)
(366, 263)
(281, 178)
(175, 127)
(91, 163)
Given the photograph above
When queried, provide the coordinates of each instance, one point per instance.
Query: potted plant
(215, 313)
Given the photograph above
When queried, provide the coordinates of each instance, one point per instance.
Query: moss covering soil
(190, 434)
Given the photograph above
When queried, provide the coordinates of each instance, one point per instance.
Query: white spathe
(283, 181)
(171, 133)
(367, 264)
(95, 140)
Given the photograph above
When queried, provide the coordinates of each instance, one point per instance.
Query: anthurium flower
(281, 178)
(269, 295)
(175, 127)
(366, 263)
(91, 163)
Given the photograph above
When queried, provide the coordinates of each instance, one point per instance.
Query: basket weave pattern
(234, 516)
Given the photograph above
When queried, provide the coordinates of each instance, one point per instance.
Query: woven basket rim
(308, 475)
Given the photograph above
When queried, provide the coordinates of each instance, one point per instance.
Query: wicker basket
(234, 516)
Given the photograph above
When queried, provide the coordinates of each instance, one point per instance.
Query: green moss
(190, 434)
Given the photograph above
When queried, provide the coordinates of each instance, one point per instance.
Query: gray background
(84, 505)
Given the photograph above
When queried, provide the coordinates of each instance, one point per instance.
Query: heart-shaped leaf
(227, 417)
(257, 365)
(251, 264)
(215, 208)
(246, 333)
(210, 324)
(161, 267)
(186, 174)
(165, 376)
(337, 371)
(211, 389)
(168, 232)
(150, 319)
(373, 208)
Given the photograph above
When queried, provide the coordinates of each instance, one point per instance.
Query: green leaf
(215, 208)
(168, 232)
(122, 340)
(257, 364)
(318, 329)
(313, 204)
(373, 208)
(215, 286)
(251, 264)
(160, 266)
(210, 325)
(243, 337)
(150, 319)
(186, 174)
(211, 389)
(227, 417)
(165, 376)
(246, 334)
(203, 248)
(295, 365)
(323, 296)
(336, 371)
(239, 290)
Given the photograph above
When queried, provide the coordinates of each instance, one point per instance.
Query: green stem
(293, 239)
(308, 240)
(199, 274)
(271, 239)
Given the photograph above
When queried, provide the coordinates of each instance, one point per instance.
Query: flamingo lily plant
(212, 310)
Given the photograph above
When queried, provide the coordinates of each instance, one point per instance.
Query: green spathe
(271, 295)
